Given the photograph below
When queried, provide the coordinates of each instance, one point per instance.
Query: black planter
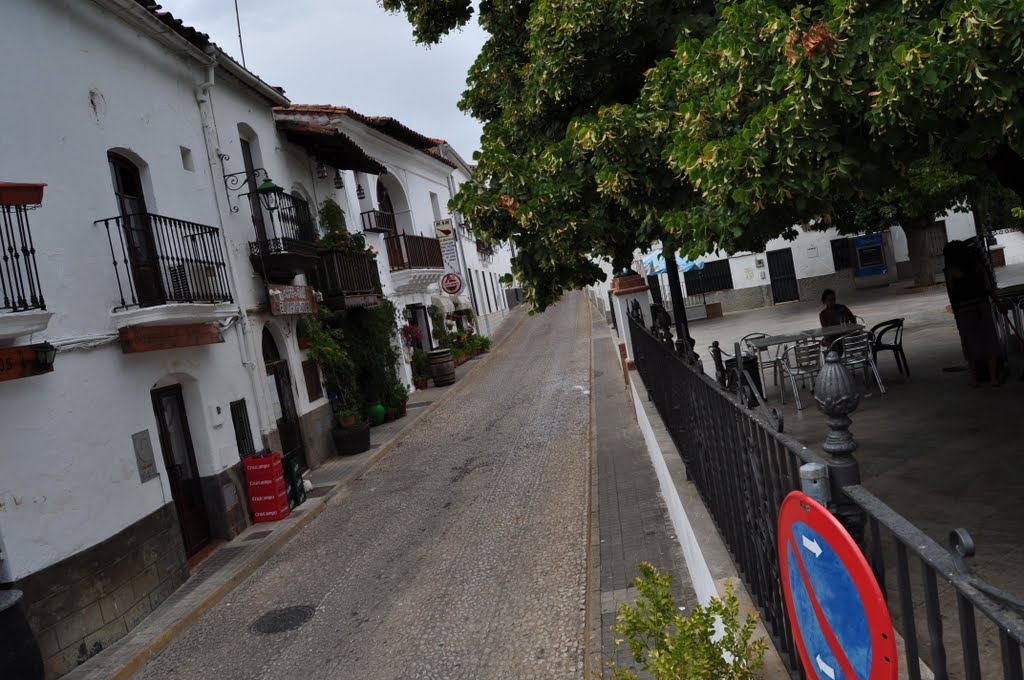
(19, 653)
(349, 440)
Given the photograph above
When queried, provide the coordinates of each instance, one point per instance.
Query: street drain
(281, 620)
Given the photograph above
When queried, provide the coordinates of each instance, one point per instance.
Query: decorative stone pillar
(837, 396)
(624, 290)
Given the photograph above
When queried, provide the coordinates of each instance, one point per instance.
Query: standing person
(971, 300)
(833, 314)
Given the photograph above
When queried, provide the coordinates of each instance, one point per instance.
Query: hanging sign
(152, 338)
(451, 283)
(444, 229)
(290, 299)
(839, 618)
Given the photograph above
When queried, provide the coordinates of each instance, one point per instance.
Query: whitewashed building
(170, 290)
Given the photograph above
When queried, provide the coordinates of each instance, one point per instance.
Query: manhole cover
(281, 620)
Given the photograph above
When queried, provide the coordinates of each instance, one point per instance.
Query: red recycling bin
(268, 494)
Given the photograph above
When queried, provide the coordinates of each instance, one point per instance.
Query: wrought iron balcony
(160, 259)
(347, 280)
(378, 221)
(19, 276)
(285, 236)
(408, 251)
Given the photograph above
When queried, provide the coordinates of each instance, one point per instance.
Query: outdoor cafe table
(761, 344)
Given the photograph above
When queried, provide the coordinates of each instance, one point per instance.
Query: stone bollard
(837, 397)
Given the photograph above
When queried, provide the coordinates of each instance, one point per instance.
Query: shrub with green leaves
(670, 646)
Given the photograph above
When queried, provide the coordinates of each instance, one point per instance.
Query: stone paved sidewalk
(629, 519)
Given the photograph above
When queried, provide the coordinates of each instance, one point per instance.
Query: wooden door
(139, 243)
(180, 463)
(254, 198)
(279, 384)
(783, 275)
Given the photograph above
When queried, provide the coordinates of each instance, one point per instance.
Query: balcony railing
(407, 251)
(19, 275)
(160, 259)
(347, 279)
(289, 228)
(378, 221)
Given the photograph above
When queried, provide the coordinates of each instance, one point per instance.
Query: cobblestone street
(461, 554)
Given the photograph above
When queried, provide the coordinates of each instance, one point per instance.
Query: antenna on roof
(238, 22)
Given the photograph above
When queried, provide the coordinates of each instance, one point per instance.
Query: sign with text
(290, 299)
(153, 338)
(144, 458)
(450, 255)
(445, 230)
(451, 283)
(839, 618)
(19, 362)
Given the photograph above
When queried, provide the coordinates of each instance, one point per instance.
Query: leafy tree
(612, 123)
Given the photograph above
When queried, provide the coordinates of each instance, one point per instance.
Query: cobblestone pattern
(461, 554)
(633, 520)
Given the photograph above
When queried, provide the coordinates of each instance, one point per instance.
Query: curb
(155, 646)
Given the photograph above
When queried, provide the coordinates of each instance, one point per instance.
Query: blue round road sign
(839, 618)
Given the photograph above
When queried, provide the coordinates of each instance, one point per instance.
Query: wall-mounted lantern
(321, 171)
(269, 194)
(339, 181)
(45, 356)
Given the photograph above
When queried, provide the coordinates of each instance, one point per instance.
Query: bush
(670, 646)
(397, 395)
(420, 364)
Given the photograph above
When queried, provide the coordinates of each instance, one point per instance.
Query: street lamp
(269, 194)
(45, 356)
(339, 181)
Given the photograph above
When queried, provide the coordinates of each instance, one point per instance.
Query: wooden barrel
(442, 368)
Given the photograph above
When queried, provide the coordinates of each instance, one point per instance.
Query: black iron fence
(19, 275)
(408, 251)
(288, 228)
(743, 466)
(160, 259)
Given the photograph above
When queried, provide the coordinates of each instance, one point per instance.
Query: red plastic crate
(264, 486)
(269, 508)
(263, 464)
(271, 515)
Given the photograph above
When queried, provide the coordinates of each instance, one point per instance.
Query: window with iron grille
(243, 431)
(715, 276)
(841, 253)
(314, 388)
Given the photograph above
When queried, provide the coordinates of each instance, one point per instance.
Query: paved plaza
(938, 451)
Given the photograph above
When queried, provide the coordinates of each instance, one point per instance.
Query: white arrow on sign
(812, 546)
(824, 667)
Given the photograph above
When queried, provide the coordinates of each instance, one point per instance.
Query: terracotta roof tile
(329, 146)
(383, 124)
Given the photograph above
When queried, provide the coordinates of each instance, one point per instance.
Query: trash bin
(19, 651)
(750, 366)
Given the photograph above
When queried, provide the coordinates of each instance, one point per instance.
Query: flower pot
(375, 412)
(404, 410)
(21, 193)
(422, 383)
(349, 440)
(390, 414)
(347, 421)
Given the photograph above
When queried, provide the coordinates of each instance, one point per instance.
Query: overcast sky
(349, 53)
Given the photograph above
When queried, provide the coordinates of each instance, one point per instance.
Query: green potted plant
(420, 369)
(400, 398)
(351, 433)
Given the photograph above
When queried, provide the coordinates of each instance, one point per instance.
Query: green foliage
(397, 394)
(670, 646)
(439, 327)
(336, 236)
(329, 347)
(368, 339)
(717, 125)
(420, 364)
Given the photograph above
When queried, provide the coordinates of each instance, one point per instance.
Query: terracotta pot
(422, 383)
(390, 414)
(348, 421)
(404, 411)
(21, 193)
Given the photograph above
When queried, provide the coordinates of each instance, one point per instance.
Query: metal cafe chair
(857, 355)
(799, 362)
(771, 361)
(879, 343)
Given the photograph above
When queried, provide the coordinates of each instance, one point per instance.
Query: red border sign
(839, 618)
(451, 283)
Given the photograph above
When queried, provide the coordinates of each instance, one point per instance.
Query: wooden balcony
(347, 280)
(408, 251)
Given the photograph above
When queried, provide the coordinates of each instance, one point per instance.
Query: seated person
(834, 314)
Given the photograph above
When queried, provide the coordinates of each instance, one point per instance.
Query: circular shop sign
(451, 283)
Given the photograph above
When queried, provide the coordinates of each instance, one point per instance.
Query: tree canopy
(609, 124)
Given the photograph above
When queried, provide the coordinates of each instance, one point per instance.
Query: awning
(329, 146)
